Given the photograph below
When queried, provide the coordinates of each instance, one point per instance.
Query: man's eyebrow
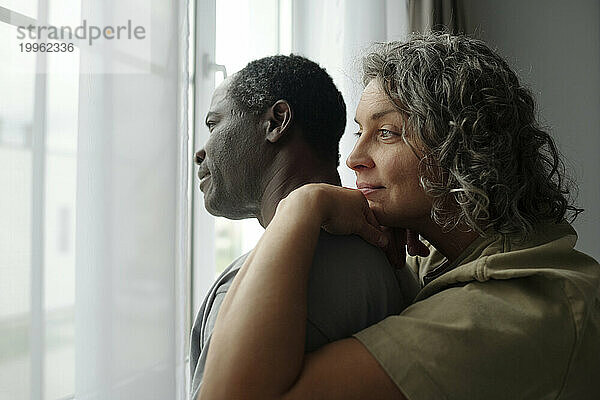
(211, 114)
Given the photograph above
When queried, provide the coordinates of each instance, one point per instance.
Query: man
(275, 126)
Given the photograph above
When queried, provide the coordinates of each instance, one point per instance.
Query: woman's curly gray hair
(486, 162)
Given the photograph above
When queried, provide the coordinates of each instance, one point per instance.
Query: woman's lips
(367, 189)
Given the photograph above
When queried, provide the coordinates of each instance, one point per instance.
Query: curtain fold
(131, 252)
(445, 15)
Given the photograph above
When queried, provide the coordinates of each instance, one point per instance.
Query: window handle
(209, 66)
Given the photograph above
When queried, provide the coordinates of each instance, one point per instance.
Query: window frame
(202, 229)
(37, 328)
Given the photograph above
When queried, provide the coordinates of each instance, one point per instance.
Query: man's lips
(203, 175)
(367, 188)
(204, 178)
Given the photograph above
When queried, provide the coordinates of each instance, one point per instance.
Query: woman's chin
(394, 220)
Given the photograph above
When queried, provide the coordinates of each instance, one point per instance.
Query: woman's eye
(386, 134)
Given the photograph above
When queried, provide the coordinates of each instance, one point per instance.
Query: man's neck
(289, 176)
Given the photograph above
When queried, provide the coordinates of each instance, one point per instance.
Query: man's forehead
(219, 97)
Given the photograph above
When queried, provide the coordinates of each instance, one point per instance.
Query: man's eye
(210, 125)
(358, 133)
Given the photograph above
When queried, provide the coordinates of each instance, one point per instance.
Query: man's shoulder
(351, 256)
(349, 246)
(224, 280)
(232, 268)
(237, 263)
(220, 285)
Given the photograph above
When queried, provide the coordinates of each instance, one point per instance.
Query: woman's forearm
(257, 346)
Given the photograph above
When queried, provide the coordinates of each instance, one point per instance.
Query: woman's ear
(278, 120)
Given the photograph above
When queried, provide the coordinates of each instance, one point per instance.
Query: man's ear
(278, 120)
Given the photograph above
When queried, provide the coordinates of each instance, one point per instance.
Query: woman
(449, 148)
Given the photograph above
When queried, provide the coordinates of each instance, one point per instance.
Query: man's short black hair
(317, 105)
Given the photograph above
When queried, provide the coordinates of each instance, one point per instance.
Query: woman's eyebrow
(378, 115)
(382, 113)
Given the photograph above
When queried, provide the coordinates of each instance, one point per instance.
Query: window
(262, 28)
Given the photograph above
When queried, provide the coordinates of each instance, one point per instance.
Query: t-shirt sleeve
(351, 286)
(213, 313)
(209, 326)
(478, 341)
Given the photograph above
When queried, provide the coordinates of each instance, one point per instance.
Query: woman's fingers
(395, 250)
(371, 219)
(421, 249)
(372, 230)
(345, 211)
(373, 235)
(414, 245)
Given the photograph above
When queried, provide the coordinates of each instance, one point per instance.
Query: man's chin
(210, 207)
(218, 209)
(215, 208)
(210, 203)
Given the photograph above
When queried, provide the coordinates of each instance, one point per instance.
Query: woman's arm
(257, 349)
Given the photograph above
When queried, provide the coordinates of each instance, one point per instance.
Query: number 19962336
(46, 47)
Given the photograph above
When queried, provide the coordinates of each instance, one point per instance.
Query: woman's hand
(340, 211)
(401, 241)
(344, 211)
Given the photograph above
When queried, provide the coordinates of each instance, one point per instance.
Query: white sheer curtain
(93, 171)
(94, 166)
(335, 34)
(131, 215)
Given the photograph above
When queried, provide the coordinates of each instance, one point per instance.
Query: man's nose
(200, 156)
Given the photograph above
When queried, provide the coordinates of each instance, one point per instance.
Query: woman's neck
(451, 244)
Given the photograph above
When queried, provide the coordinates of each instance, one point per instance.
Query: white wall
(554, 45)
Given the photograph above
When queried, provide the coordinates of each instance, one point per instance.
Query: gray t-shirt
(351, 287)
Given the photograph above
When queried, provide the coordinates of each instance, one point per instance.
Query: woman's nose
(359, 158)
(200, 156)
